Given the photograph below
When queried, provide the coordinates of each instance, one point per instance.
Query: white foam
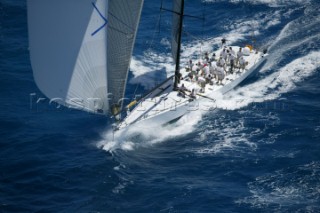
(269, 88)
(145, 68)
(273, 82)
(286, 188)
(119, 188)
(228, 135)
(270, 3)
(272, 86)
(141, 136)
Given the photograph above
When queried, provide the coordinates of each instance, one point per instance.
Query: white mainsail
(71, 45)
(123, 17)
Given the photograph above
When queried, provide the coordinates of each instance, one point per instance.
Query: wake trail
(293, 57)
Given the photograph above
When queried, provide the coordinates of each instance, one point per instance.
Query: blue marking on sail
(105, 20)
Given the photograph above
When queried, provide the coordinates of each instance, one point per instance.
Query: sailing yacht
(188, 89)
(80, 53)
(165, 104)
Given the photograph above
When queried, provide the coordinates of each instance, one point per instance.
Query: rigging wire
(203, 24)
(156, 32)
(160, 12)
(201, 38)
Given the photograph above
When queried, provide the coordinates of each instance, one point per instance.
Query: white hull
(164, 105)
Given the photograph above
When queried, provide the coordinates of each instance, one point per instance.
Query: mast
(179, 34)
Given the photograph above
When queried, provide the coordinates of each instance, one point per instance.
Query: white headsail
(70, 47)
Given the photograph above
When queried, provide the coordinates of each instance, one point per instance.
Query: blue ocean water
(258, 151)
